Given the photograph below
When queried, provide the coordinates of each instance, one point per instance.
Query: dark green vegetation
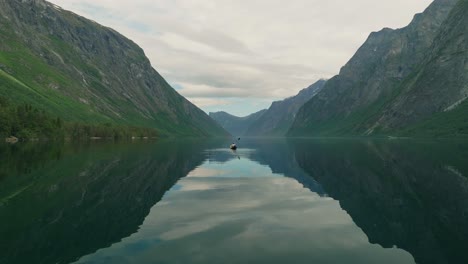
(408, 194)
(236, 126)
(277, 120)
(407, 82)
(443, 124)
(60, 202)
(79, 71)
(26, 122)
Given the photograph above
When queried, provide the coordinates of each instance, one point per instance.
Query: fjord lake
(270, 201)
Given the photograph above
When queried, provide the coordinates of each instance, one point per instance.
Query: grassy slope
(26, 78)
(445, 124)
(21, 82)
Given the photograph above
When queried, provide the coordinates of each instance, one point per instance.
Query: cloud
(220, 207)
(246, 49)
(205, 91)
(205, 102)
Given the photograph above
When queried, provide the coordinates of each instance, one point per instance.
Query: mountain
(237, 126)
(280, 116)
(399, 79)
(442, 83)
(81, 71)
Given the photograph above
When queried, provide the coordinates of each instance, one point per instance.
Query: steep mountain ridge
(277, 120)
(81, 71)
(442, 83)
(352, 102)
(236, 126)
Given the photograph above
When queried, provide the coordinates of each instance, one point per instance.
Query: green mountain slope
(388, 85)
(81, 71)
(237, 126)
(280, 116)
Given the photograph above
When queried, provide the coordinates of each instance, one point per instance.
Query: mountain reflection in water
(271, 201)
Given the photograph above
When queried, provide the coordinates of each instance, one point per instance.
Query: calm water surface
(271, 201)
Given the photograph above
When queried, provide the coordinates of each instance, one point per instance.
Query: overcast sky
(239, 56)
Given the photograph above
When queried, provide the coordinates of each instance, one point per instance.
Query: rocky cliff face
(236, 126)
(436, 93)
(82, 71)
(279, 117)
(368, 95)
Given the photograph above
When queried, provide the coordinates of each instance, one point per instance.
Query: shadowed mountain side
(442, 84)
(396, 79)
(277, 120)
(87, 200)
(412, 195)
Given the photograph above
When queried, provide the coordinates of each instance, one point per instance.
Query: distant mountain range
(275, 121)
(411, 81)
(236, 126)
(80, 71)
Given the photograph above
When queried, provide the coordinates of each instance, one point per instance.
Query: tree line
(27, 122)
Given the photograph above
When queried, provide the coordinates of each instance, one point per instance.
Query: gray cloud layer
(257, 48)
